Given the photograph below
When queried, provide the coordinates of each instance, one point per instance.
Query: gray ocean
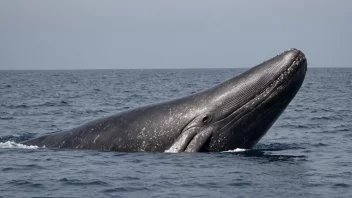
(307, 153)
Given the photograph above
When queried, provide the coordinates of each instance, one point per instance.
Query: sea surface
(307, 153)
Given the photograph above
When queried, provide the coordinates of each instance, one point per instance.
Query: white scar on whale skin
(96, 138)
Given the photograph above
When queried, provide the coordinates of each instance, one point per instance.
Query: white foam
(170, 151)
(237, 150)
(12, 144)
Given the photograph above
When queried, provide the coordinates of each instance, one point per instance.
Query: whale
(236, 113)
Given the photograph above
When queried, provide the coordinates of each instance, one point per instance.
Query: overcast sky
(85, 34)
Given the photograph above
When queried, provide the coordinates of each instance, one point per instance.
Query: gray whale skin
(233, 114)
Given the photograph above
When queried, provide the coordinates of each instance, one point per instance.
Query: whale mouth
(298, 65)
(288, 82)
(299, 62)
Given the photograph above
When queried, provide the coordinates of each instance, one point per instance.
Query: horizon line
(191, 68)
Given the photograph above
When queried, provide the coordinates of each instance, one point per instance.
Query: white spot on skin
(95, 139)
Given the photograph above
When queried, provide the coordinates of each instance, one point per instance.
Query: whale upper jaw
(245, 125)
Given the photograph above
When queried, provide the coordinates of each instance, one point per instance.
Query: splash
(12, 144)
(236, 150)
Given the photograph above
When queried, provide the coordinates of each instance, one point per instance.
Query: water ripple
(306, 153)
(84, 183)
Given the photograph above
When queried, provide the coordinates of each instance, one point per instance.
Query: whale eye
(206, 119)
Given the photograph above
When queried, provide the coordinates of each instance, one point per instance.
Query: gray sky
(85, 34)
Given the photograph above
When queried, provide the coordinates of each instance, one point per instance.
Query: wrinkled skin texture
(233, 114)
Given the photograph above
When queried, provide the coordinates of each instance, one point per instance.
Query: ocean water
(307, 153)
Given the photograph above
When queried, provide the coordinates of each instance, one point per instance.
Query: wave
(6, 86)
(330, 117)
(7, 118)
(16, 138)
(12, 144)
(45, 104)
(277, 146)
(82, 182)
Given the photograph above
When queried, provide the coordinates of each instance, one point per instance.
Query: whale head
(238, 112)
